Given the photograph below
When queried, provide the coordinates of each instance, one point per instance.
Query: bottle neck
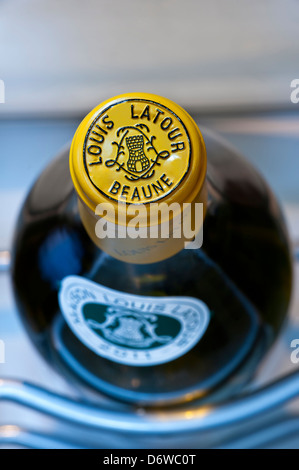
(138, 163)
(145, 234)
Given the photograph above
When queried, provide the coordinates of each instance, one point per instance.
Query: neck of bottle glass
(146, 234)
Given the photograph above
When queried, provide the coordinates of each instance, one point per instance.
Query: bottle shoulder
(229, 177)
(242, 270)
(242, 210)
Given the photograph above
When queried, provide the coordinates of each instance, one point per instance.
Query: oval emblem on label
(132, 329)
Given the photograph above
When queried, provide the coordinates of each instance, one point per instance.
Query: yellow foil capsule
(129, 155)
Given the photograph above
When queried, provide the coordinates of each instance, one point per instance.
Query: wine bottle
(151, 319)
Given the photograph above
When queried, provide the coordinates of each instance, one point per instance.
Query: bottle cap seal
(136, 149)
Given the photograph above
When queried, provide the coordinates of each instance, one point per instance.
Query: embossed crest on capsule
(137, 151)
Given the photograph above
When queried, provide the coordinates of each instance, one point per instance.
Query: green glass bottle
(152, 320)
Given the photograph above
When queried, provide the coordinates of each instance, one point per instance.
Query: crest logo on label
(131, 329)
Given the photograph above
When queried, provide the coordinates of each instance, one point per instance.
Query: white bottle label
(132, 329)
